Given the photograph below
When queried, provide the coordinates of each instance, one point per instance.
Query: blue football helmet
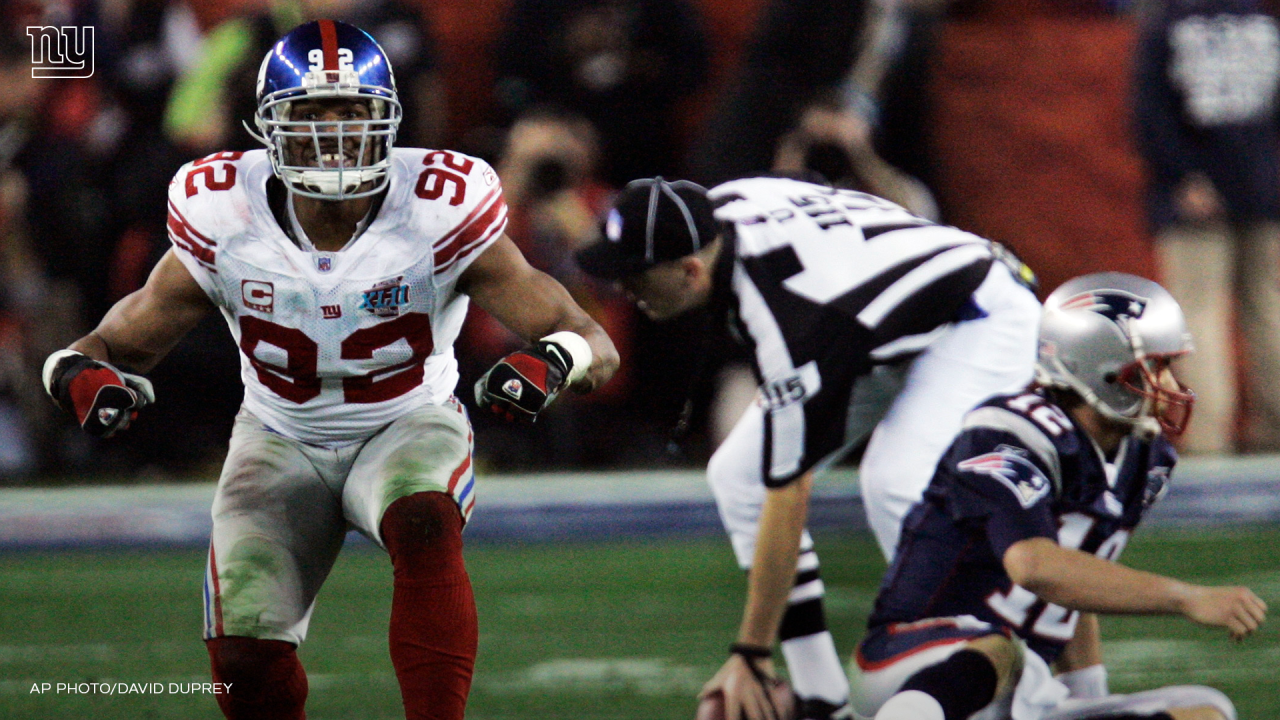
(328, 159)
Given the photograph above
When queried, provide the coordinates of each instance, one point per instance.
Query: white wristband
(578, 349)
(1086, 683)
(50, 364)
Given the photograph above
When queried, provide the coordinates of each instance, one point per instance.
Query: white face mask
(344, 159)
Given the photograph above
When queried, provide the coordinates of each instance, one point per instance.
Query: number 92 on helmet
(328, 111)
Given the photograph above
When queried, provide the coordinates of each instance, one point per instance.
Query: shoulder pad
(1029, 435)
(460, 206)
(198, 204)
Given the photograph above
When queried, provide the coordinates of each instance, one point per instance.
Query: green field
(620, 630)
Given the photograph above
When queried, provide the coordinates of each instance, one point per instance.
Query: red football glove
(103, 399)
(525, 382)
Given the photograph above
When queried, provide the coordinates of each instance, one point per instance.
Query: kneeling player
(1019, 528)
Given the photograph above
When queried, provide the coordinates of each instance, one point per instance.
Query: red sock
(267, 681)
(433, 633)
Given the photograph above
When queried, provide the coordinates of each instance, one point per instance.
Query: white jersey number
(1055, 622)
(315, 56)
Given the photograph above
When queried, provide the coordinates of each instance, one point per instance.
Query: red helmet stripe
(329, 42)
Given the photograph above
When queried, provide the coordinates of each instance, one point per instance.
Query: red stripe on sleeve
(189, 239)
(173, 212)
(496, 229)
(329, 41)
(472, 232)
(479, 208)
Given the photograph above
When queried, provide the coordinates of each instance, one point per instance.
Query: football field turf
(573, 631)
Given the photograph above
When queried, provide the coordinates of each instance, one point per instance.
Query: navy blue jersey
(1019, 469)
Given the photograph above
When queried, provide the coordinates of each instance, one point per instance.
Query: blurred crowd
(1137, 136)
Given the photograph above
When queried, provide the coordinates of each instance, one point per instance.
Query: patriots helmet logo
(1111, 304)
(1010, 466)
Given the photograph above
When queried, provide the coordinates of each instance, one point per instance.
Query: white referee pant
(912, 411)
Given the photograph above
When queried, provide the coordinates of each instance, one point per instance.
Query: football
(712, 706)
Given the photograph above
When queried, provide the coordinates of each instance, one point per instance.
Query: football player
(1019, 530)
(868, 325)
(343, 266)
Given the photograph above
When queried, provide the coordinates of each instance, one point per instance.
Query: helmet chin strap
(1143, 425)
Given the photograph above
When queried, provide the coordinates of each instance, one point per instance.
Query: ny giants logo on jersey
(386, 298)
(1111, 304)
(258, 295)
(1011, 467)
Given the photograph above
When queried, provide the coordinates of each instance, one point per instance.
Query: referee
(867, 325)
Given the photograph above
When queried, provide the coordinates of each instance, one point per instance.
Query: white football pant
(912, 411)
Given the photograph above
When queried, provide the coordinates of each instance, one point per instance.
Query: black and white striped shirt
(825, 284)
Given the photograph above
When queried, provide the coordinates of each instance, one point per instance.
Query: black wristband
(63, 373)
(750, 652)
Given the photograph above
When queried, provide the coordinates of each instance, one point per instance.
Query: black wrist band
(751, 652)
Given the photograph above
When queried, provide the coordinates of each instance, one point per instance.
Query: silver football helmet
(1108, 337)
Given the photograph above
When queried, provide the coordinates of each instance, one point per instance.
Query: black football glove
(525, 382)
(103, 400)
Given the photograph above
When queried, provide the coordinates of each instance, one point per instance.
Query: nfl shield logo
(513, 388)
(324, 263)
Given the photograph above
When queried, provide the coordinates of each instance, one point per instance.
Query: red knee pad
(266, 680)
(423, 534)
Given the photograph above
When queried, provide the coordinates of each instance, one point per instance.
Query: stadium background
(604, 586)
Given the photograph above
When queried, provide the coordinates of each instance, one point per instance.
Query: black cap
(652, 221)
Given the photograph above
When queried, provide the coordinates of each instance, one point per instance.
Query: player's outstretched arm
(140, 329)
(1080, 581)
(536, 307)
(136, 333)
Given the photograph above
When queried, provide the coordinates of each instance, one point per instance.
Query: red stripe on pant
(217, 593)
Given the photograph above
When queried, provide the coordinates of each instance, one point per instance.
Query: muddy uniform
(347, 362)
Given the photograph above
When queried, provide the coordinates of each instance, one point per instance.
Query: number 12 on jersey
(1055, 622)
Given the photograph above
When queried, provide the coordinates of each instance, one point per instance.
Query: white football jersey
(335, 345)
(826, 284)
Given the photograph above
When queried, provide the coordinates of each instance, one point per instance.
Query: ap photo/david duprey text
(130, 688)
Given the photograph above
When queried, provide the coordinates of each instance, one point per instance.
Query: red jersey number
(297, 380)
(433, 181)
(396, 380)
(203, 168)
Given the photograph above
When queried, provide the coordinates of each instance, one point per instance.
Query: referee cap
(653, 221)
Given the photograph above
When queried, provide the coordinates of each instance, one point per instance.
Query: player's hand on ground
(747, 694)
(1235, 608)
(103, 399)
(523, 383)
